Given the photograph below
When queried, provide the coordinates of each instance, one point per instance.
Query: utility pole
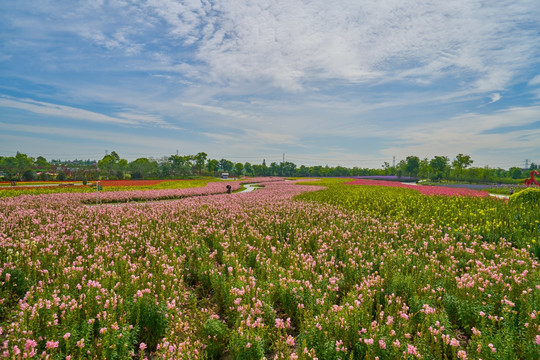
(283, 157)
(394, 162)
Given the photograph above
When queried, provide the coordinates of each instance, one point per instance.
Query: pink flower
(52, 344)
(30, 344)
(290, 340)
(142, 346)
(411, 349)
(248, 345)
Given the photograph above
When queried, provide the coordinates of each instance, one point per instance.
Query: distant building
(224, 175)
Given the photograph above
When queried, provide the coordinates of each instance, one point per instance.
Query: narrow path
(249, 188)
(500, 196)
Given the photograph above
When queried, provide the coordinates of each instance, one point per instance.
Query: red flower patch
(426, 190)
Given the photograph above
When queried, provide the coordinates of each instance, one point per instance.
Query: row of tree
(23, 167)
(459, 169)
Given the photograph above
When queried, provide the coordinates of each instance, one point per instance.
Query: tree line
(112, 166)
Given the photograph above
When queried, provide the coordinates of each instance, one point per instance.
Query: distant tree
(248, 169)
(41, 163)
(257, 170)
(274, 169)
(461, 162)
(29, 175)
(212, 165)
(226, 165)
(9, 166)
(264, 168)
(439, 165)
(121, 168)
(412, 165)
(24, 163)
(515, 173)
(388, 170)
(181, 165)
(287, 169)
(424, 169)
(200, 159)
(533, 166)
(238, 169)
(142, 168)
(107, 166)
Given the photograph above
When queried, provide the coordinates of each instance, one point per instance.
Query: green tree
(238, 169)
(200, 159)
(24, 163)
(29, 175)
(212, 165)
(274, 169)
(440, 167)
(226, 165)
(181, 166)
(142, 168)
(412, 165)
(515, 173)
(461, 162)
(257, 170)
(248, 169)
(41, 163)
(9, 166)
(121, 168)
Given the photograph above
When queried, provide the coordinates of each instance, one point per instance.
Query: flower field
(426, 190)
(286, 272)
(107, 186)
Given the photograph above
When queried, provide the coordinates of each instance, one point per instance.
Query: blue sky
(351, 83)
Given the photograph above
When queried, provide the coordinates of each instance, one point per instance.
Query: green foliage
(246, 346)
(12, 290)
(490, 218)
(215, 336)
(149, 320)
(529, 196)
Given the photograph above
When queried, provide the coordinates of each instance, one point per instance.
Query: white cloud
(472, 133)
(289, 43)
(495, 97)
(535, 80)
(48, 109)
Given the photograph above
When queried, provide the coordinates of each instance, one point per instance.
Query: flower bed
(426, 190)
(253, 275)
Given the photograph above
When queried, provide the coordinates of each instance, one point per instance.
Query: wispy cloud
(290, 43)
(317, 77)
(505, 130)
(535, 81)
(48, 109)
(495, 97)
